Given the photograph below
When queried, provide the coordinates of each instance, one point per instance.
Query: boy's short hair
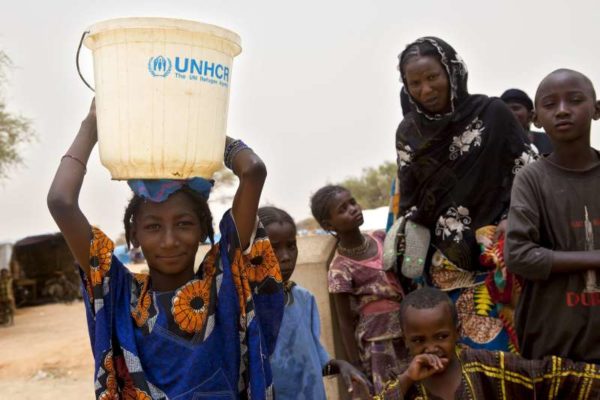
(427, 298)
(570, 71)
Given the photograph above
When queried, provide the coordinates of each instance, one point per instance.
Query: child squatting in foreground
(439, 369)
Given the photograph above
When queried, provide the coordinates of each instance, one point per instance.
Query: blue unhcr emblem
(159, 66)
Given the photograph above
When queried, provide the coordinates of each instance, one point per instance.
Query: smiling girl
(176, 332)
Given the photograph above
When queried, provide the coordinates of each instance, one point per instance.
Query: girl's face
(345, 214)
(169, 234)
(427, 83)
(282, 236)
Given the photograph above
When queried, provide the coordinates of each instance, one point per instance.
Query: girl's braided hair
(321, 201)
(269, 215)
(200, 207)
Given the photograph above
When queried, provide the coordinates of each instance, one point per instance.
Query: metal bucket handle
(77, 61)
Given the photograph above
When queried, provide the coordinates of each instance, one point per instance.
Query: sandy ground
(46, 354)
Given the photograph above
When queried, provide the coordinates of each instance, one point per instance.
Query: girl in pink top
(367, 298)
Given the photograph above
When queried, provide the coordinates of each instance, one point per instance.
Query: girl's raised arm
(252, 173)
(63, 196)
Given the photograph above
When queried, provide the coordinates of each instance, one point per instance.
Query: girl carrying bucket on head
(176, 333)
(366, 296)
(299, 361)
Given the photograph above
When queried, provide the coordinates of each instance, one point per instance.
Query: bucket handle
(77, 61)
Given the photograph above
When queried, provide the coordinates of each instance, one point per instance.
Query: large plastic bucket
(162, 95)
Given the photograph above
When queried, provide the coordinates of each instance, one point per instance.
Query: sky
(315, 91)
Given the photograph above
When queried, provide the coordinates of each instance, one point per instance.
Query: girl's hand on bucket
(90, 121)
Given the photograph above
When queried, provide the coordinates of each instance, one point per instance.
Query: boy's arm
(523, 253)
(252, 172)
(63, 196)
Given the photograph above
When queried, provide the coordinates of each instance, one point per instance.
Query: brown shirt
(555, 314)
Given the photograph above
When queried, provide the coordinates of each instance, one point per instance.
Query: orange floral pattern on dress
(190, 303)
(141, 311)
(135, 394)
(111, 379)
(238, 266)
(266, 265)
(100, 256)
(109, 395)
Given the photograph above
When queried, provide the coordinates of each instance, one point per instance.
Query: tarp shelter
(43, 258)
(5, 255)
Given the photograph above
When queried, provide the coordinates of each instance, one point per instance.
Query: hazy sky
(314, 91)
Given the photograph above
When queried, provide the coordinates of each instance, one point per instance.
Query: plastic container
(162, 95)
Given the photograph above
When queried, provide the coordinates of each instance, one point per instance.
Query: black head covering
(455, 68)
(517, 96)
(459, 164)
(405, 102)
(462, 105)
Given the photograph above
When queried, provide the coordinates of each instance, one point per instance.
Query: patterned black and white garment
(455, 175)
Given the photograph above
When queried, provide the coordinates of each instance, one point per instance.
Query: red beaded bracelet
(76, 159)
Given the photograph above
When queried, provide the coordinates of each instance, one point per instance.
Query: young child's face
(427, 83)
(169, 234)
(282, 236)
(345, 214)
(430, 331)
(565, 106)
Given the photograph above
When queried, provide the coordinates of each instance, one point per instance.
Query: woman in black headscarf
(457, 156)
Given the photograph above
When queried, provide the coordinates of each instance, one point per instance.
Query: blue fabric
(166, 363)
(158, 190)
(299, 357)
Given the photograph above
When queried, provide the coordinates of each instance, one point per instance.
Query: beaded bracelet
(231, 150)
(76, 159)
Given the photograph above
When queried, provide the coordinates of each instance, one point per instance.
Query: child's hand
(351, 375)
(90, 121)
(425, 365)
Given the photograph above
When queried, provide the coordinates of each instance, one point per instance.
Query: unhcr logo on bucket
(190, 69)
(159, 66)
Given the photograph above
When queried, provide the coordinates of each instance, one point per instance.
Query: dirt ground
(46, 354)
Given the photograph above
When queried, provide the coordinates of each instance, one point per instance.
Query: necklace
(357, 251)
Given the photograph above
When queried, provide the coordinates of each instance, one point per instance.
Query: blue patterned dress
(209, 339)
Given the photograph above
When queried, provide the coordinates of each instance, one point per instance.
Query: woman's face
(427, 83)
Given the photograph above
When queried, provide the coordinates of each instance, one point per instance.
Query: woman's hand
(351, 375)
